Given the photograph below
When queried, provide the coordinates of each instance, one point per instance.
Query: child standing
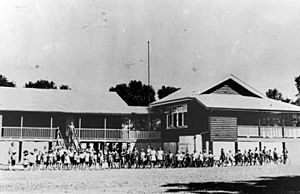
(25, 160)
(32, 159)
(153, 157)
(160, 155)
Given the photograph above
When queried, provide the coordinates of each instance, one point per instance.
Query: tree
(165, 91)
(4, 82)
(297, 80)
(135, 93)
(42, 84)
(64, 87)
(274, 94)
(287, 100)
(297, 102)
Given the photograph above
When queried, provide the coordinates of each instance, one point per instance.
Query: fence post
(21, 132)
(259, 132)
(1, 117)
(51, 130)
(79, 127)
(20, 151)
(105, 128)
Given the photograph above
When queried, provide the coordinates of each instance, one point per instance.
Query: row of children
(61, 158)
(256, 157)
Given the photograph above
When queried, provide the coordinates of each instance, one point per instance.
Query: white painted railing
(32, 133)
(292, 132)
(270, 131)
(28, 132)
(101, 134)
(115, 134)
(247, 131)
(144, 135)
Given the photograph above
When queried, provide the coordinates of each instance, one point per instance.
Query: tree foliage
(45, 84)
(287, 100)
(165, 91)
(297, 102)
(4, 82)
(274, 94)
(64, 87)
(297, 80)
(135, 93)
(41, 84)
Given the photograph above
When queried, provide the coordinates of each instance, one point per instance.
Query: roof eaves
(255, 110)
(171, 101)
(73, 112)
(180, 100)
(207, 108)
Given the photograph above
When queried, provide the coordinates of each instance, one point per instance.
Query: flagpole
(149, 114)
(149, 74)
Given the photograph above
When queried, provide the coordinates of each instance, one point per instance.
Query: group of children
(256, 157)
(60, 158)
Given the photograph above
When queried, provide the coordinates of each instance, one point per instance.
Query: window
(180, 119)
(176, 117)
(169, 120)
(185, 118)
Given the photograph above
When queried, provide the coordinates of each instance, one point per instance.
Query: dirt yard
(264, 179)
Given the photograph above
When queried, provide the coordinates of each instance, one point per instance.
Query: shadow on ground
(282, 184)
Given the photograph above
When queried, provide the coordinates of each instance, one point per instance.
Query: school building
(231, 115)
(31, 118)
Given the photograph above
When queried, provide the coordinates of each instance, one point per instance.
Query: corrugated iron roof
(183, 93)
(230, 101)
(227, 101)
(71, 101)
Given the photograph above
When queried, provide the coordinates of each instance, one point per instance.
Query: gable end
(230, 87)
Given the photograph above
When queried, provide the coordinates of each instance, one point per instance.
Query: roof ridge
(239, 81)
(247, 84)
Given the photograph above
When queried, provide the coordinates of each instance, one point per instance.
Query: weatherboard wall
(196, 120)
(223, 128)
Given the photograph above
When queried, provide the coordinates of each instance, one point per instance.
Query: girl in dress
(153, 158)
(143, 158)
(25, 160)
(160, 155)
(32, 159)
(67, 161)
(76, 160)
(100, 158)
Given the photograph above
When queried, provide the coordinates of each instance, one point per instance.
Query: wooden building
(230, 115)
(100, 118)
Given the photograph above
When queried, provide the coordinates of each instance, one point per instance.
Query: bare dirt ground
(258, 179)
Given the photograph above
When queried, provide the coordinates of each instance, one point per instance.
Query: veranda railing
(29, 133)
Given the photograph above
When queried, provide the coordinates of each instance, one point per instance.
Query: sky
(93, 44)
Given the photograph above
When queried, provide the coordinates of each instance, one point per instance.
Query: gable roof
(245, 98)
(237, 102)
(237, 85)
(70, 101)
(183, 93)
